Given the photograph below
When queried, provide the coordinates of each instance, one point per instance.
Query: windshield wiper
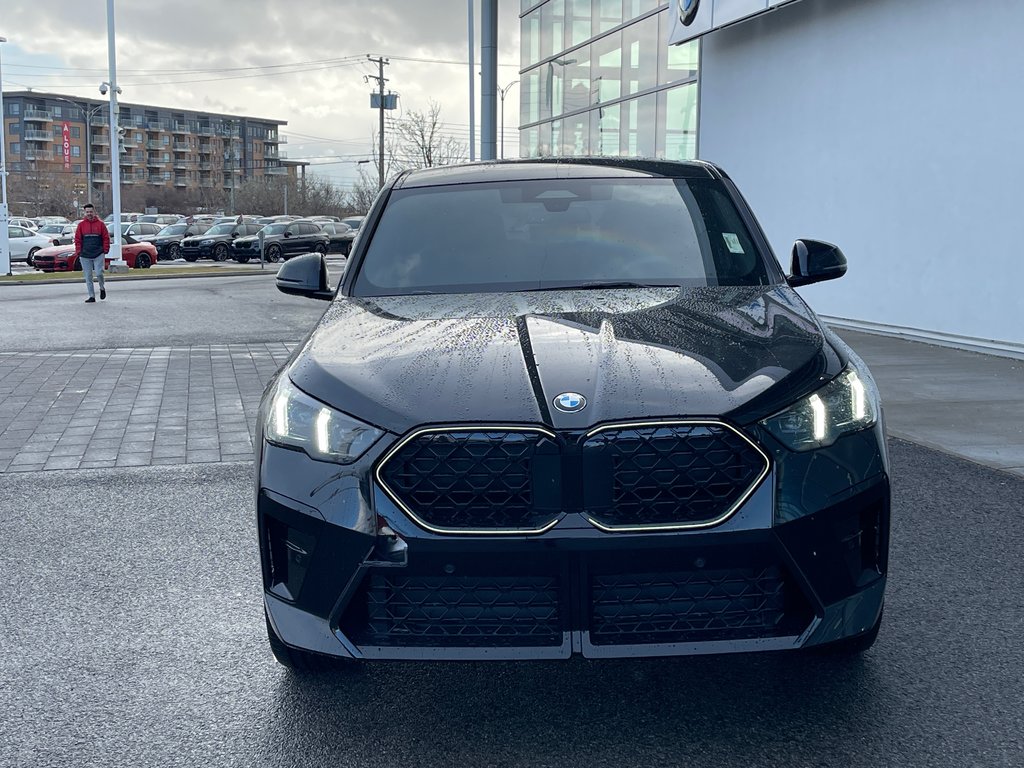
(596, 284)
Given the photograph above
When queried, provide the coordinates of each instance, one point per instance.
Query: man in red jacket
(92, 242)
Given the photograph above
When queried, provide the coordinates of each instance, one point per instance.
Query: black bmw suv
(282, 240)
(215, 243)
(572, 407)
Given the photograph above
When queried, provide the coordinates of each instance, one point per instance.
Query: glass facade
(599, 78)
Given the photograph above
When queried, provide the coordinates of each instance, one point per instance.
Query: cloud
(166, 54)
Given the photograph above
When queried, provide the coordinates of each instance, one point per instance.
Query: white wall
(894, 128)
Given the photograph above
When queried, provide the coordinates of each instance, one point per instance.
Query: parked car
(162, 219)
(168, 240)
(41, 220)
(215, 243)
(125, 217)
(59, 234)
(282, 241)
(569, 408)
(264, 220)
(25, 243)
(137, 229)
(62, 258)
(341, 236)
(23, 222)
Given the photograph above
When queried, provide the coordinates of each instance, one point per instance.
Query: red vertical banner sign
(66, 144)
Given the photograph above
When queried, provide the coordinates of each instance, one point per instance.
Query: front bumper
(347, 573)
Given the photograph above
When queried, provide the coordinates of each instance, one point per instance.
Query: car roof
(557, 168)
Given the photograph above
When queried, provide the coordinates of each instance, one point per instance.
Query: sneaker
(103, 293)
(90, 300)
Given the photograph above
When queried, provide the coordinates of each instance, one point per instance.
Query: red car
(62, 258)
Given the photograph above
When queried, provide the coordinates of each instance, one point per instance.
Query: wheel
(297, 660)
(345, 249)
(32, 256)
(142, 261)
(242, 258)
(220, 252)
(78, 265)
(191, 257)
(321, 248)
(274, 253)
(173, 252)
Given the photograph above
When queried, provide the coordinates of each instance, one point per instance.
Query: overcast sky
(300, 60)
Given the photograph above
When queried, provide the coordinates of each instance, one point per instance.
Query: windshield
(353, 222)
(565, 233)
(51, 229)
(222, 229)
(174, 229)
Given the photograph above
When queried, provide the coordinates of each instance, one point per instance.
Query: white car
(59, 234)
(25, 242)
(21, 221)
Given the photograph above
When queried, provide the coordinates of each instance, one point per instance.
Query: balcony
(206, 166)
(38, 115)
(276, 140)
(129, 160)
(206, 184)
(101, 178)
(271, 153)
(156, 178)
(154, 145)
(206, 130)
(154, 125)
(39, 136)
(39, 154)
(276, 170)
(182, 146)
(99, 140)
(180, 128)
(182, 163)
(99, 120)
(101, 157)
(181, 181)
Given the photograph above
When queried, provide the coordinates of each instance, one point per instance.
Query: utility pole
(381, 61)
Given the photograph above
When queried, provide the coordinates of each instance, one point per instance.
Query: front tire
(173, 252)
(274, 253)
(142, 261)
(220, 252)
(242, 259)
(31, 258)
(321, 249)
(191, 257)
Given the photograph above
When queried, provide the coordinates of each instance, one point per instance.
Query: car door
(291, 242)
(20, 243)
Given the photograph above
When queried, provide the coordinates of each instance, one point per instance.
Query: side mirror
(305, 275)
(815, 261)
(287, 234)
(234, 235)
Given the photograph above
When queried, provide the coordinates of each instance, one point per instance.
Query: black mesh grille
(469, 480)
(693, 606)
(668, 475)
(461, 611)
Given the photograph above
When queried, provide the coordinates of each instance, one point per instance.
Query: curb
(113, 277)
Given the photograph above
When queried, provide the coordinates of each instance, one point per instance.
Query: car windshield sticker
(732, 242)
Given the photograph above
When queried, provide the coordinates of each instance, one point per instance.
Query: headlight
(846, 404)
(207, 242)
(296, 420)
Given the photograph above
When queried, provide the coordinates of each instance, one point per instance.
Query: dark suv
(282, 241)
(215, 243)
(168, 240)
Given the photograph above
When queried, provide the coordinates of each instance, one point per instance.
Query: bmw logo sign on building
(688, 11)
(570, 402)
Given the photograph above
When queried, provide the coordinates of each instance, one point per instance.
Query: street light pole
(501, 93)
(115, 151)
(5, 242)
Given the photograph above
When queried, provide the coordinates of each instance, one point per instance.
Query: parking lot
(134, 633)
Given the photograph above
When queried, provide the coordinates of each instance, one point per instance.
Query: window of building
(57, 111)
(676, 62)
(14, 109)
(77, 168)
(604, 130)
(607, 14)
(76, 131)
(14, 127)
(606, 68)
(15, 148)
(640, 47)
(167, 157)
(138, 137)
(76, 151)
(166, 140)
(677, 123)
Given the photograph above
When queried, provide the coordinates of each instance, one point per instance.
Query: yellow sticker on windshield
(732, 242)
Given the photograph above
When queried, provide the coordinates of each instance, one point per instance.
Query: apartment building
(185, 149)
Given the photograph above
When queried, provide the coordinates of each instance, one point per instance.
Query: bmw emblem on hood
(570, 402)
(688, 11)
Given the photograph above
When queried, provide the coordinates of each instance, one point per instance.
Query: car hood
(197, 239)
(56, 250)
(397, 362)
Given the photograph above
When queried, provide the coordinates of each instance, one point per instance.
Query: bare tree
(419, 141)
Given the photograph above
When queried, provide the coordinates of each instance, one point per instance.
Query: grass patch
(138, 274)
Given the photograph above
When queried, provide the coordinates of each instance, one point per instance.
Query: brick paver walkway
(132, 407)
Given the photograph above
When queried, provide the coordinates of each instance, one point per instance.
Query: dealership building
(893, 128)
